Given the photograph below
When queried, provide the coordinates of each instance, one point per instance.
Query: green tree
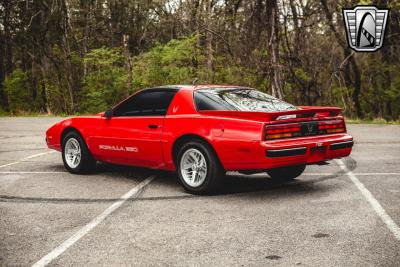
(105, 82)
(19, 94)
(172, 63)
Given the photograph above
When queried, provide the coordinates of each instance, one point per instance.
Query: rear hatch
(302, 122)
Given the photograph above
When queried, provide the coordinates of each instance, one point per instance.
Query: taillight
(289, 130)
(334, 126)
(282, 131)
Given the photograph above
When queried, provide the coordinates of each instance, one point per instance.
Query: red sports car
(203, 132)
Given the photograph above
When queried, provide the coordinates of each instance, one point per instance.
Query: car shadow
(250, 185)
(233, 185)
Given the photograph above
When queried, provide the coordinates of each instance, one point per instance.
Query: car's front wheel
(286, 173)
(75, 154)
(198, 167)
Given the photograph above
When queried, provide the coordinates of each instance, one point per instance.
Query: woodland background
(83, 56)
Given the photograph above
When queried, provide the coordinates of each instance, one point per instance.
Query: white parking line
(304, 174)
(29, 157)
(16, 172)
(376, 173)
(358, 173)
(134, 192)
(393, 227)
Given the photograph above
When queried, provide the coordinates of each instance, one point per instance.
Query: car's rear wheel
(286, 173)
(198, 167)
(76, 156)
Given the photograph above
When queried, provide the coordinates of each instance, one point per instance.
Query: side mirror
(108, 114)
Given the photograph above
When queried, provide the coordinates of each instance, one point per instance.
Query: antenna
(195, 81)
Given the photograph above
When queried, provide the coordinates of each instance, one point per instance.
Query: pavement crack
(26, 149)
(320, 235)
(273, 257)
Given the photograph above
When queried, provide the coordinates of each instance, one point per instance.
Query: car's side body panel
(236, 137)
(128, 140)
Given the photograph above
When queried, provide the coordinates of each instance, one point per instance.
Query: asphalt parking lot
(346, 213)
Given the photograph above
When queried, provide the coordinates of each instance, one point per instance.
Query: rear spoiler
(305, 111)
(302, 112)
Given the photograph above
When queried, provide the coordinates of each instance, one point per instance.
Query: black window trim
(152, 89)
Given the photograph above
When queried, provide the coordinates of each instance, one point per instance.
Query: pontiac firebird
(201, 132)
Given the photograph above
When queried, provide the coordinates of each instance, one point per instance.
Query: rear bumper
(306, 150)
(297, 151)
(277, 153)
(342, 145)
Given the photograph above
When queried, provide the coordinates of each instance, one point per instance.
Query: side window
(146, 103)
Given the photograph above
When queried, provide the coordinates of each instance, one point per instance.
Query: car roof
(197, 87)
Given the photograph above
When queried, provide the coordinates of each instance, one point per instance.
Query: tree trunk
(45, 69)
(115, 8)
(275, 72)
(86, 7)
(128, 60)
(7, 36)
(194, 10)
(3, 96)
(67, 54)
(6, 51)
(296, 25)
(209, 40)
(390, 51)
(357, 88)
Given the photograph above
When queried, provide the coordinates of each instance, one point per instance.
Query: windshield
(241, 99)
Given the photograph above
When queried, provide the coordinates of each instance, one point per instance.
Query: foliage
(171, 63)
(181, 61)
(104, 84)
(19, 94)
(302, 75)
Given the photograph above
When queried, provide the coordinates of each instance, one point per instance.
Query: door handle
(153, 126)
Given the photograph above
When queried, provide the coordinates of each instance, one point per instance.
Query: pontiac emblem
(310, 128)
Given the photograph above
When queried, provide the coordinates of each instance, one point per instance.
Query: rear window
(240, 99)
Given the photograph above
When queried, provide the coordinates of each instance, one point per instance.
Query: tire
(286, 173)
(74, 145)
(207, 180)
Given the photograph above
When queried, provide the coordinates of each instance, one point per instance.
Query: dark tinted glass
(241, 99)
(146, 103)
